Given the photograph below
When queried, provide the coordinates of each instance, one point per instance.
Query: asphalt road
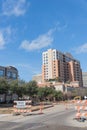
(55, 118)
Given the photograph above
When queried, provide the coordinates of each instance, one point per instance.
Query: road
(54, 118)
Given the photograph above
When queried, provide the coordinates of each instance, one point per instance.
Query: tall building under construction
(57, 65)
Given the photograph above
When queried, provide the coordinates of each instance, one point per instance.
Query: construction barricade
(22, 106)
(81, 109)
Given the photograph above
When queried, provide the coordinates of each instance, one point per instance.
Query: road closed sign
(20, 104)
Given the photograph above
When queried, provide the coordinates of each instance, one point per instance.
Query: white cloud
(61, 27)
(43, 40)
(40, 42)
(5, 35)
(22, 65)
(14, 7)
(2, 41)
(81, 49)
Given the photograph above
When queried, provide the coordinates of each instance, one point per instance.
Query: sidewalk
(4, 115)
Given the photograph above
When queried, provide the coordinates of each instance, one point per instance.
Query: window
(14, 76)
(1, 73)
(8, 74)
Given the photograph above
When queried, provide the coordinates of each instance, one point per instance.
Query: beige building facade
(37, 78)
(84, 76)
(61, 66)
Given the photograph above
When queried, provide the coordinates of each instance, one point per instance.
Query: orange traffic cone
(41, 107)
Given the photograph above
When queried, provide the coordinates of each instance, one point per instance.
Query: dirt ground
(6, 110)
(10, 110)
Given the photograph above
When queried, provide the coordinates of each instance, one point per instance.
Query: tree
(58, 95)
(31, 89)
(13, 86)
(49, 93)
(52, 79)
(45, 93)
(58, 79)
(18, 87)
(4, 87)
(41, 93)
(21, 91)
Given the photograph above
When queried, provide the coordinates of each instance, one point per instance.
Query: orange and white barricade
(22, 106)
(80, 102)
(81, 109)
(41, 107)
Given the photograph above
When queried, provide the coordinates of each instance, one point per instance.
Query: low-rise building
(84, 76)
(9, 72)
(37, 78)
(59, 86)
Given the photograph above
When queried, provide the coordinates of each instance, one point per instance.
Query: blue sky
(29, 27)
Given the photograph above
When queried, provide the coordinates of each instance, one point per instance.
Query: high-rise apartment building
(62, 66)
